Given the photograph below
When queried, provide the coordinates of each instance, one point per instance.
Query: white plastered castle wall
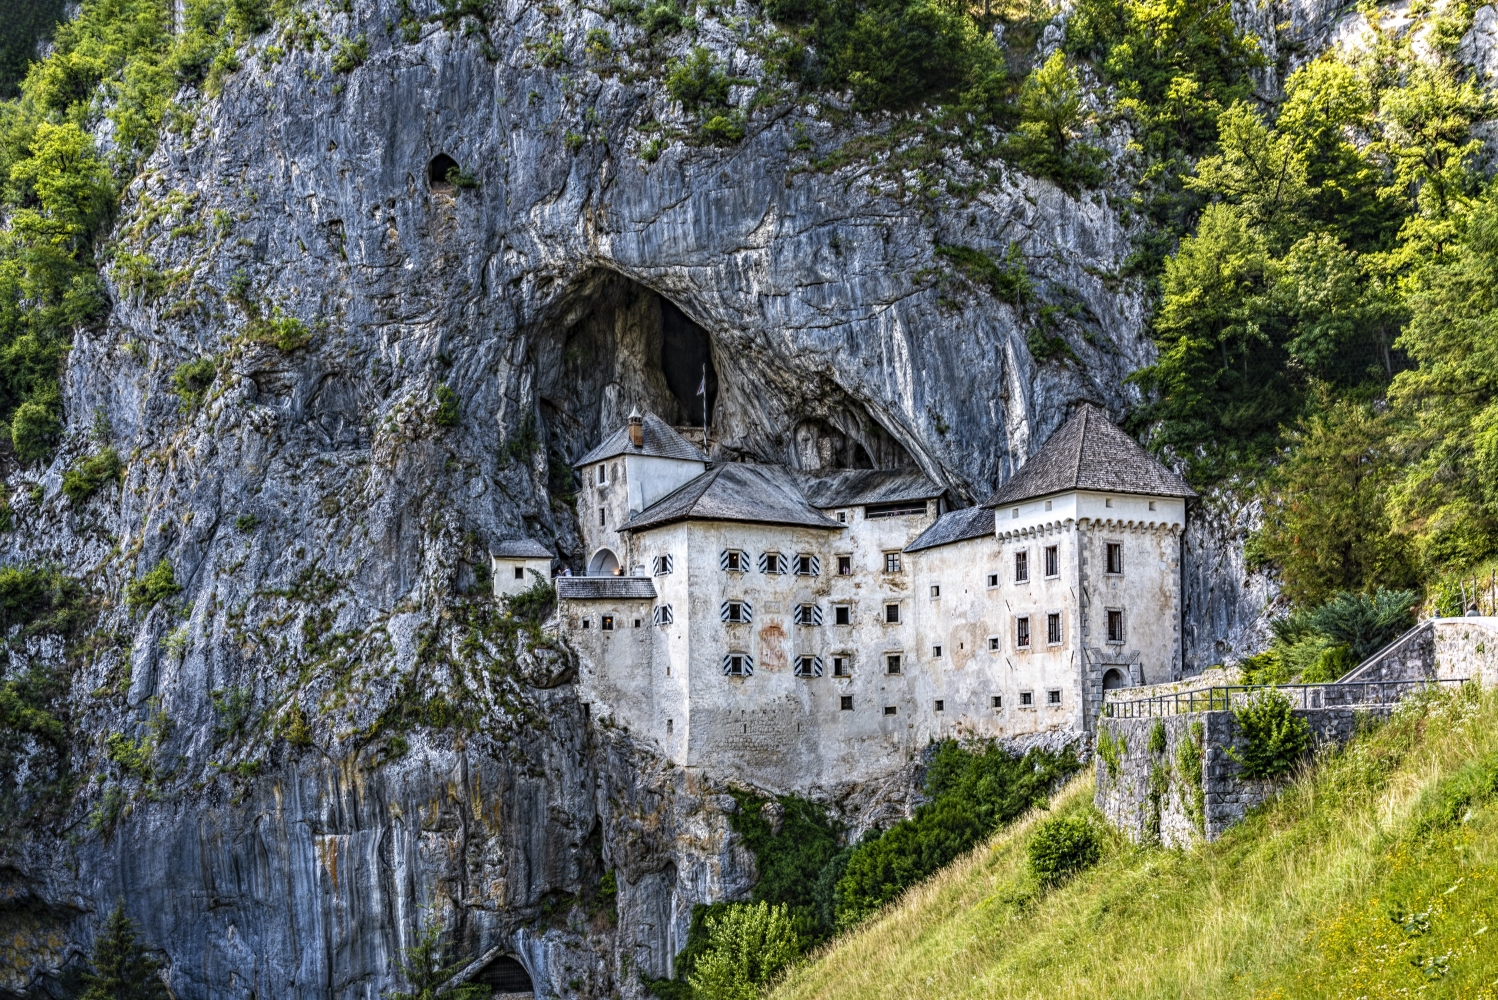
(630, 484)
(512, 576)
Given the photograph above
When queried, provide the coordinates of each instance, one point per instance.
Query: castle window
(669, 726)
(601, 516)
(889, 710)
(1053, 629)
(808, 614)
(892, 614)
(891, 562)
(663, 615)
(1014, 514)
(733, 561)
(808, 666)
(1047, 505)
(1052, 563)
(662, 565)
(842, 614)
(1022, 567)
(1152, 505)
(845, 703)
(587, 623)
(998, 701)
(940, 705)
(771, 562)
(936, 590)
(736, 612)
(808, 565)
(993, 579)
(892, 663)
(844, 565)
(1115, 625)
(1027, 699)
(603, 474)
(935, 651)
(608, 623)
(1053, 697)
(520, 572)
(637, 623)
(1022, 632)
(738, 665)
(1108, 502)
(842, 517)
(993, 644)
(1115, 558)
(842, 666)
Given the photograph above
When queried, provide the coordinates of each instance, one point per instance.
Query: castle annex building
(803, 629)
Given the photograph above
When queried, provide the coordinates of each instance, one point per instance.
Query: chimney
(636, 428)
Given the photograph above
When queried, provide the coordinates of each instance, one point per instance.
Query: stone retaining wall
(1163, 796)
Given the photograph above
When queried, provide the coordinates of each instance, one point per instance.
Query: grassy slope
(1294, 902)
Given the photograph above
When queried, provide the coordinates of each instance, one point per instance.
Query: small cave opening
(505, 976)
(439, 171)
(687, 364)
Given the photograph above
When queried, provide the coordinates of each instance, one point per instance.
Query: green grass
(1375, 875)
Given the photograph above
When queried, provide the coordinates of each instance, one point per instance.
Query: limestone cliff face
(329, 532)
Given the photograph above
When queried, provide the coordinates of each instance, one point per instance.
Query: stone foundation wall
(1165, 796)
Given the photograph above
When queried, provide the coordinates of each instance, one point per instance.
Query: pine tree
(122, 970)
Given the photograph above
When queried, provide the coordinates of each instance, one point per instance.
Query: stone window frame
(606, 623)
(885, 618)
(772, 563)
(1110, 547)
(602, 479)
(1029, 627)
(744, 667)
(993, 581)
(936, 650)
(995, 644)
(1123, 627)
(935, 592)
(892, 563)
(1022, 565)
(806, 564)
(845, 606)
(1026, 700)
(742, 560)
(520, 573)
(891, 710)
(1052, 558)
(807, 615)
(845, 703)
(807, 665)
(662, 565)
(847, 663)
(941, 705)
(996, 701)
(1060, 628)
(898, 656)
(662, 615)
(844, 559)
(1052, 697)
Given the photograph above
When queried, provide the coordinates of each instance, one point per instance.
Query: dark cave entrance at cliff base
(505, 976)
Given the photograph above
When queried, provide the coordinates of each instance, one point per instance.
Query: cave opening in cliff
(505, 975)
(440, 171)
(687, 363)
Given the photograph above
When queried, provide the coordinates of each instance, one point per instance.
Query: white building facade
(800, 631)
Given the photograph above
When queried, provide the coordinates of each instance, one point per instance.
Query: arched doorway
(506, 977)
(1114, 679)
(603, 563)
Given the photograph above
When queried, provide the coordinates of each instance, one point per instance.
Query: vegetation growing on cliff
(1375, 875)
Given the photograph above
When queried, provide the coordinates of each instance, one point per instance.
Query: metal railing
(1349, 694)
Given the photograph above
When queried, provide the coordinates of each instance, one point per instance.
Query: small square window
(935, 651)
(1053, 697)
(840, 667)
(637, 623)
(1115, 625)
(1052, 562)
(733, 612)
(845, 703)
(587, 623)
(940, 705)
(1108, 502)
(889, 710)
(735, 561)
(993, 579)
(891, 562)
(1022, 632)
(1021, 567)
(998, 701)
(1014, 514)
(892, 663)
(1115, 558)
(1053, 629)
(1152, 505)
(662, 565)
(608, 623)
(808, 666)
(842, 614)
(993, 644)
(936, 590)
(892, 614)
(842, 517)
(844, 565)
(1047, 505)
(807, 566)
(1026, 699)
(520, 572)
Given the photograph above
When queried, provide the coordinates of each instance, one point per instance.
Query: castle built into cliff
(802, 629)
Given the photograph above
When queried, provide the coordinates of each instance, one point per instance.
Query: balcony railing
(1350, 694)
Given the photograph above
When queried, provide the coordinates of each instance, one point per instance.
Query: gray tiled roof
(735, 491)
(955, 526)
(521, 548)
(661, 441)
(856, 487)
(1089, 453)
(604, 588)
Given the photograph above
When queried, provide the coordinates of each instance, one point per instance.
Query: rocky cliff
(392, 211)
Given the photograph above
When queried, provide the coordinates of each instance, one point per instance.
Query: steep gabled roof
(605, 588)
(955, 526)
(521, 548)
(857, 487)
(661, 441)
(1089, 453)
(735, 491)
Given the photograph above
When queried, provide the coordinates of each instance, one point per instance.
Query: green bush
(1110, 748)
(34, 428)
(748, 945)
(698, 80)
(1061, 847)
(283, 332)
(191, 381)
(789, 860)
(39, 599)
(85, 478)
(350, 54)
(1276, 739)
(1007, 281)
(446, 413)
(157, 585)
